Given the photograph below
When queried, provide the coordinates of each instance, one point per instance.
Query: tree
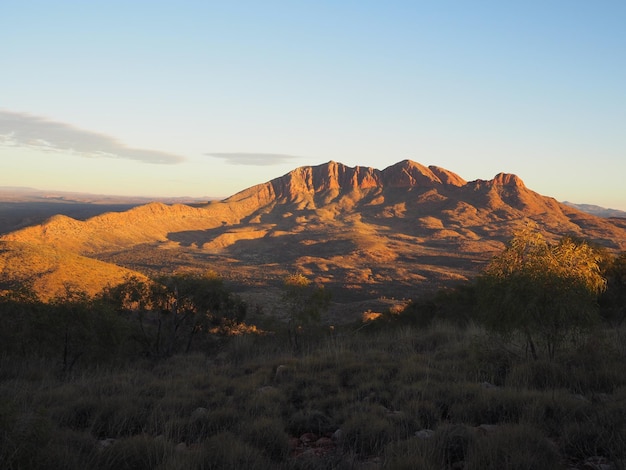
(172, 310)
(304, 301)
(542, 290)
(613, 300)
(193, 303)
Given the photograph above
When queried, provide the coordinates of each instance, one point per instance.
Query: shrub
(411, 454)
(451, 444)
(23, 438)
(367, 432)
(268, 435)
(513, 448)
(490, 407)
(492, 361)
(225, 451)
(310, 421)
(539, 375)
(135, 453)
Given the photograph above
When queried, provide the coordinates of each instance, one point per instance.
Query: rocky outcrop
(333, 177)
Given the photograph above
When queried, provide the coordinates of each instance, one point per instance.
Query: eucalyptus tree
(544, 290)
(304, 301)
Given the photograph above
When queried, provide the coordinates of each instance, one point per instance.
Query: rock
(308, 438)
(337, 436)
(267, 389)
(199, 413)
(487, 428)
(424, 433)
(601, 397)
(181, 447)
(104, 443)
(324, 442)
(488, 386)
(281, 372)
(294, 443)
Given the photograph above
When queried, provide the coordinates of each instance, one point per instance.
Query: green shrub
(135, 453)
(268, 435)
(539, 375)
(451, 444)
(119, 417)
(411, 454)
(225, 451)
(601, 433)
(490, 407)
(314, 421)
(69, 450)
(512, 448)
(492, 361)
(24, 435)
(367, 432)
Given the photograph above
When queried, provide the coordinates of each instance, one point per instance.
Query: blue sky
(202, 98)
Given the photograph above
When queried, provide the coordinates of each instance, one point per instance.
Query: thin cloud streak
(254, 159)
(26, 130)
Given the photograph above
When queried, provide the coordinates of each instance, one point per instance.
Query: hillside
(21, 207)
(363, 232)
(48, 271)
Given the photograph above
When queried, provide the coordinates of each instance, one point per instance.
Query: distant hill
(21, 207)
(363, 232)
(597, 210)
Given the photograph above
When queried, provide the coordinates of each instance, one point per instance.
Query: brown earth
(362, 232)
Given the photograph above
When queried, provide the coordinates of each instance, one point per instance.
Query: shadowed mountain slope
(362, 231)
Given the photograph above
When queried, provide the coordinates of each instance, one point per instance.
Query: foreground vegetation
(252, 403)
(166, 375)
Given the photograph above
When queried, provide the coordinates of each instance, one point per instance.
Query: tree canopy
(545, 290)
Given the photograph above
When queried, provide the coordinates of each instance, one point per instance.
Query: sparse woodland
(522, 368)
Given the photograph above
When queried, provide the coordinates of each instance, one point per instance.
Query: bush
(310, 421)
(135, 453)
(411, 454)
(225, 451)
(367, 432)
(269, 436)
(513, 448)
(451, 444)
(539, 375)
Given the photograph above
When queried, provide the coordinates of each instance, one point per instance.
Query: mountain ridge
(401, 229)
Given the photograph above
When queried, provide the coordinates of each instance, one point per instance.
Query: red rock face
(333, 176)
(356, 227)
(507, 179)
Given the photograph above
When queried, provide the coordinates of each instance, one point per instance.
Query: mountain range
(362, 232)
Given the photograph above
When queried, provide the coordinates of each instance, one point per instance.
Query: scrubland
(401, 392)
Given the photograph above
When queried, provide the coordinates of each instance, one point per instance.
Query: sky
(207, 98)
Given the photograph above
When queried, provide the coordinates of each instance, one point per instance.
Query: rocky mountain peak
(333, 176)
(508, 179)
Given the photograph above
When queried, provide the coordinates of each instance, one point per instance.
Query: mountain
(21, 207)
(597, 210)
(363, 232)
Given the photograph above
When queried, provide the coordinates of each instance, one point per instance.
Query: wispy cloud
(26, 130)
(254, 159)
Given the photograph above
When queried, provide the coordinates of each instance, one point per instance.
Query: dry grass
(243, 406)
